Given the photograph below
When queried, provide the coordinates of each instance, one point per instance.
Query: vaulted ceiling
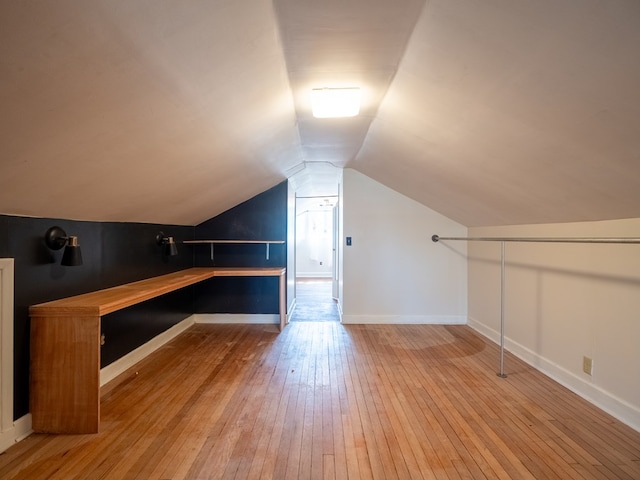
(494, 112)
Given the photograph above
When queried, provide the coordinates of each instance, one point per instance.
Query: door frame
(7, 428)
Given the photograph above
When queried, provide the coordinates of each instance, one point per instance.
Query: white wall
(566, 301)
(393, 272)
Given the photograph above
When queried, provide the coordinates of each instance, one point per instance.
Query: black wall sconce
(168, 245)
(56, 238)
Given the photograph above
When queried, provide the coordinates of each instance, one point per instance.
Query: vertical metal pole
(212, 253)
(501, 372)
(267, 251)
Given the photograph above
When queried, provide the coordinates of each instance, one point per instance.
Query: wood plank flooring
(325, 400)
(314, 301)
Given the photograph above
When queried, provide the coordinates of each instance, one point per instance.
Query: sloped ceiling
(494, 112)
(167, 112)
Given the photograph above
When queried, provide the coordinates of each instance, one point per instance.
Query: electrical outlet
(587, 365)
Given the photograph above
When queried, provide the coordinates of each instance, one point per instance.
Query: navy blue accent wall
(264, 217)
(117, 253)
(127, 329)
(113, 253)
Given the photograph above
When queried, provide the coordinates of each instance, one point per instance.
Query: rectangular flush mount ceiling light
(335, 102)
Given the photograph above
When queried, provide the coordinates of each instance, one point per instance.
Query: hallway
(314, 302)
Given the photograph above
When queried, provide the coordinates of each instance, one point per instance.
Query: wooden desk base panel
(65, 345)
(65, 374)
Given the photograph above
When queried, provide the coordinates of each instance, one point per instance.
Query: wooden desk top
(102, 302)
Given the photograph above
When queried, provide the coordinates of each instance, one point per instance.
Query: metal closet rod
(437, 238)
(503, 240)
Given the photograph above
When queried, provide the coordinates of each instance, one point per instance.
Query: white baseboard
(114, 369)
(21, 429)
(236, 318)
(405, 319)
(616, 407)
(292, 307)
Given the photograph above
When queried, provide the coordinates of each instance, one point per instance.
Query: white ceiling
(493, 112)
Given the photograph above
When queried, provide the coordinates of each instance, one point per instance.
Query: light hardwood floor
(325, 400)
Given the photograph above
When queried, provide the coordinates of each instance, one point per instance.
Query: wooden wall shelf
(234, 241)
(267, 243)
(65, 344)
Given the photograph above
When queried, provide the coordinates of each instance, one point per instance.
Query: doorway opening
(314, 252)
(315, 259)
